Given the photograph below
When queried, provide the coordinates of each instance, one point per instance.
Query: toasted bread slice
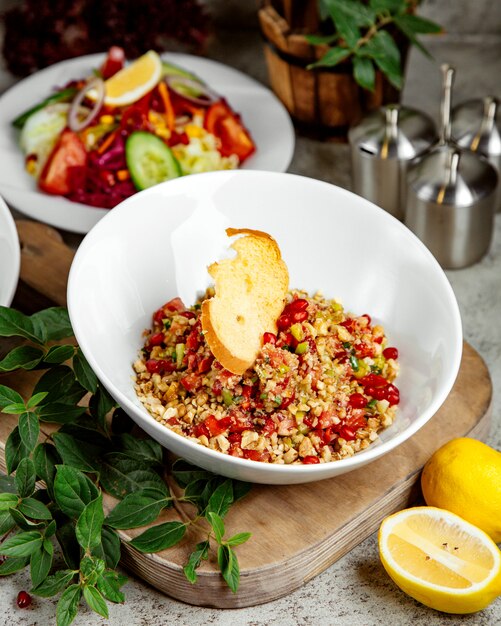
(250, 292)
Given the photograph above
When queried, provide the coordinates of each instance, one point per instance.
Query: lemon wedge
(440, 559)
(133, 81)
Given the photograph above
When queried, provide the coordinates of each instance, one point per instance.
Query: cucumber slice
(60, 96)
(169, 69)
(150, 160)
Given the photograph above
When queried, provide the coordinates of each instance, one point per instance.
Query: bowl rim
(14, 239)
(371, 453)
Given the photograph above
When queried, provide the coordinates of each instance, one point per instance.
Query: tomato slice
(222, 122)
(69, 152)
(113, 63)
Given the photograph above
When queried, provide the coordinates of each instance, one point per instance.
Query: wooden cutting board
(297, 531)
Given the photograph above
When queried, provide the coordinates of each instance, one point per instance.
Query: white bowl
(10, 255)
(158, 243)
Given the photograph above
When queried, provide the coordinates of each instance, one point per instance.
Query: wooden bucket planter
(323, 102)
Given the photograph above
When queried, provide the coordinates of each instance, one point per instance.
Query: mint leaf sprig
(89, 455)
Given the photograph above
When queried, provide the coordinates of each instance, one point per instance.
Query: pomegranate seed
(310, 460)
(297, 305)
(392, 394)
(373, 380)
(390, 353)
(368, 317)
(283, 322)
(189, 315)
(299, 316)
(380, 393)
(347, 433)
(269, 338)
(159, 316)
(153, 366)
(156, 339)
(23, 599)
(357, 401)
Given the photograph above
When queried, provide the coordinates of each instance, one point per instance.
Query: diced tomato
(205, 364)
(201, 429)
(310, 460)
(191, 382)
(255, 455)
(215, 426)
(235, 438)
(113, 63)
(222, 122)
(68, 152)
(176, 304)
(193, 339)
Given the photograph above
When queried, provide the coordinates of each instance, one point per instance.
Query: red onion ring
(206, 97)
(74, 122)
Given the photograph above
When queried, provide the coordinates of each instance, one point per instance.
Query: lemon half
(440, 559)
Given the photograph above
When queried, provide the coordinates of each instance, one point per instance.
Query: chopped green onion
(354, 363)
(167, 322)
(278, 400)
(180, 348)
(227, 397)
(263, 396)
(371, 404)
(346, 345)
(302, 347)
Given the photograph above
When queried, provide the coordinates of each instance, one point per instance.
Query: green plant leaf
(185, 473)
(91, 568)
(101, 403)
(110, 542)
(364, 72)
(331, 58)
(159, 537)
(45, 458)
(217, 525)
(50, 531)
(6, 522)
(22, 357)
(29, 429)
(142, 449)
(418, 25)
(383, 49)
(321, 39)
(89, 524)
(84, 373)
(36, 399)
(67, 607)
(7, 484)
(41, 562)
(73, 490)
(24, 523)
(238, 539)
(95, 600)
(70, 547)
(221, 500)
(346, 25)
(15, 409)
(391, 6)
(109, 584)
(22, 544)
(136, 509)
(240, 489)
(56, 322)
(7, 501)
(121, 475)
(58, 354)
(199, 554)
(9, 396)
(120, 422)
(58, 413)
(34, 509)
(352, 10)
(15, 450)
(61, 386)
(15, 324)
(52, 585)
(25, 478)
(13, 564)
(228, 564)
(74, 453)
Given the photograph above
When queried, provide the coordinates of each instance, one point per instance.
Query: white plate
(10, 255)
(263, 114)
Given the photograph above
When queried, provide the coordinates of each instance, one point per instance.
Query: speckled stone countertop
(355, 591)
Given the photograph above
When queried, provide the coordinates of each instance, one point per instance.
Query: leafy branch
(364, 35)
(88, 455)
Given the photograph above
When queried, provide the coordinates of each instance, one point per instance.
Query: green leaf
(14, 409)
(136, 509)
(7, 501)
(95, 600)
(419, 25)
(9, 396)
(41, 562)
(22, 357)
(217, 525)
(353, 11)
(45, 458)
(347, 28)
(58, 413)
(7, 484)
(89, 524)
(321, 39)
(24, 523)
(159, 537)
(391, 6)
(73, 490)
(185, 473)
(6, 522)
(101, 403)
(15, 450)
(331, 58)
(240, 489)
(61, 385)
(120, 475)
(29, 429)
(409, 33)
(364, 72)
(228, 564)
(238, 539)
(34, 509)
(199, 554)
(13, 564)
(58, 354)
(54, 584)
(142, 449)
(25, 478)
(67, 607)
(36, 399)
(110, 542)
(221, 500)
(16, 324)
(56, 322)
(70, 547)
(50, 531)
(383, 49)
(84, 373)
(22, 544)
(74, 453)
(91, 568)
(109, 584)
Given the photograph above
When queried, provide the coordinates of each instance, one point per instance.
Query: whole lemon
(464, 476)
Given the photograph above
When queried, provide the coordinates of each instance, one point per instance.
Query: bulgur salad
(321, 389)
